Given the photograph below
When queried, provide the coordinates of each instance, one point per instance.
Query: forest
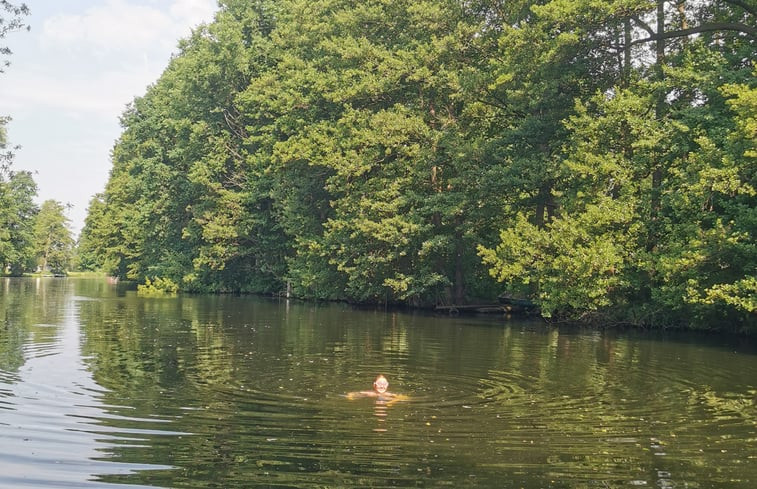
(596, 157)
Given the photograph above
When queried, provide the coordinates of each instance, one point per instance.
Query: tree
(239, 245)
(379, 160)
(17, 213)
(52, 237)
(90, 247)
(179, 203)
(591, 155)
(655, 202)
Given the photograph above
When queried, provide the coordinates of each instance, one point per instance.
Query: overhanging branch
(715, 26)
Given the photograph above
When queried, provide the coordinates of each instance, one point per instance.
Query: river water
(100, 387)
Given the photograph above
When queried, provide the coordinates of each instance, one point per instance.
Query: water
(99, 387)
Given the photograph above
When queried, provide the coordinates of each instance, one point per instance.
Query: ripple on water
(263, 405)
(50, 440)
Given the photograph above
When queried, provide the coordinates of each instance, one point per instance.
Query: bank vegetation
(595, 157)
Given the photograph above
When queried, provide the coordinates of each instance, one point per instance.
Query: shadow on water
(221, 391)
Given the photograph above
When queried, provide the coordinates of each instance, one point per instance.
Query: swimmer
(380, 392)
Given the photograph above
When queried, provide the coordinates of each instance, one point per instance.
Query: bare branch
(643, 25)
(715, 26)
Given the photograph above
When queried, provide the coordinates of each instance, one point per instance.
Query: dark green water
(101, 387)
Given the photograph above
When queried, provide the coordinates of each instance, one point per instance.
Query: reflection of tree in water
(252, 385)
(31, 310)
(228, 373)
(256, 388)
(233, 391)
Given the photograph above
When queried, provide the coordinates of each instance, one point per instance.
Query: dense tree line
(597, 157)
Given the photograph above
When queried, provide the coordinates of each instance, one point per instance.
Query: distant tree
(89, 251)
(52, 237)
(17, 211)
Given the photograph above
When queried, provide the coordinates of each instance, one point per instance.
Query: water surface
(101, 387)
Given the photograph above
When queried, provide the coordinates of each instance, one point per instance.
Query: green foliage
(718, 262)
(158, 287)
(442, 152)
(17, 215)
(90, 249)
(17, 189)
(655, 216)
(53, 243)
(573, 264)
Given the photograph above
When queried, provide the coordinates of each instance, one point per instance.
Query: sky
(71, 77)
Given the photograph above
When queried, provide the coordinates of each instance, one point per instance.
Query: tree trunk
(459, 276)
(546, 207)
(660, 105)
(627, 52)
(459, 292)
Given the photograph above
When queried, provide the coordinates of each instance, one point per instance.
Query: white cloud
(73, 75)
(97, 60)
(193, 12)
(105, 93)
(114, 26)
(122, 26)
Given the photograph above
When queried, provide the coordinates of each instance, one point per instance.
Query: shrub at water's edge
(158, 287)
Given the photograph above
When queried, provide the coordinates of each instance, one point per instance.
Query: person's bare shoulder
(356, 395)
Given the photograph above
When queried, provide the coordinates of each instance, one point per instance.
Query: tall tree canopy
(595, 157)
(17, 214)
(52, 237)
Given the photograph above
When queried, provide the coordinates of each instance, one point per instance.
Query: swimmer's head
(381, 384)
